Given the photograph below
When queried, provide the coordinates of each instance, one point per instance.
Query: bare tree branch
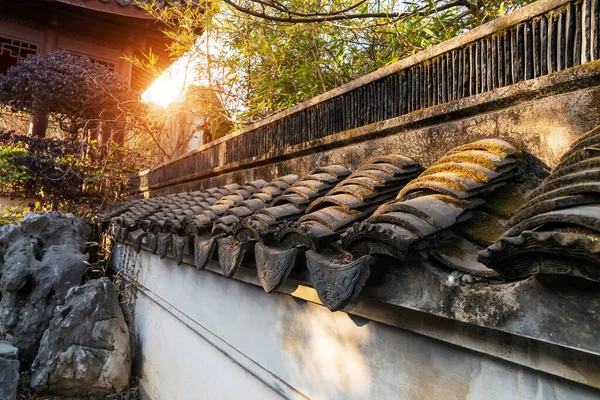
(339, 15)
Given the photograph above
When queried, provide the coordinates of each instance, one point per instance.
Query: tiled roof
(290, 206)
(346, 223)
(557, 230)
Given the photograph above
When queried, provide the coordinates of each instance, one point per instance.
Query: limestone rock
(40, 259)
(7, 350)
(9, 371)
(85, 350)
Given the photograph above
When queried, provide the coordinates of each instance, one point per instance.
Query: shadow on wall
(336, 356)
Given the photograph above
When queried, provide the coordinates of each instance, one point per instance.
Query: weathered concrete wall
(541, 117)
(200, 335)
(417, 338)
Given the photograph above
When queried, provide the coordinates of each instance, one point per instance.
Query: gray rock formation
(9, 371)
(85, 350)
(40, 259)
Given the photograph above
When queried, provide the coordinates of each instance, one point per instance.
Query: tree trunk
(38, 125)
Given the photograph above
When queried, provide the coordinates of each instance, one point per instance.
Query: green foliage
(63, 174)
(259, 65)
(12, 174)
(73, 172)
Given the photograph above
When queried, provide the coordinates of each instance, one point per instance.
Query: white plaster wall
(177, 363)
(301, 349)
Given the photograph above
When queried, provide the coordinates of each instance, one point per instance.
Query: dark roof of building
(128, 8)
(459, 213)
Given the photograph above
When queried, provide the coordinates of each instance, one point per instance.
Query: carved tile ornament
(203, 250)
(178, 246)
(557, 230)
(440, 197)
(284, 198)
(225, 213)
(231, 254)
(437, 199)
(136, 239)
(352, 200)
(152, 242)
(198, 226)
(164, 243)
(279, 203)
(275, 265)
(172, 214)
(337, 283)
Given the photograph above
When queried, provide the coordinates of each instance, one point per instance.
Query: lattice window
(107, 64)
(17, 49)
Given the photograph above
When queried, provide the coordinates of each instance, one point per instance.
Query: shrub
(63, 174)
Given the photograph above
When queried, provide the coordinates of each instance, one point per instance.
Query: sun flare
(171, 84)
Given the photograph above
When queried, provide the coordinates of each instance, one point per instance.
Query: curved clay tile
(220, 212)
(115, 211)
(378, 181)
(161, 221)
(258, 200)
(353, 199)
(127, 222)
(224, 219)
(166, 218)
(557, 230)
(440, 197)
(290, 205)
(178, 229)
(236, 194)
(159, 228)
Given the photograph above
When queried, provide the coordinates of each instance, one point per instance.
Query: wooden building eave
(126, 8)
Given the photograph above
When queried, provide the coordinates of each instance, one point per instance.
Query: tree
(74, 170)
(75, 91)
(262, 56)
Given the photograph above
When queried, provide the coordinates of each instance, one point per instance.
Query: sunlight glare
(171, 84)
